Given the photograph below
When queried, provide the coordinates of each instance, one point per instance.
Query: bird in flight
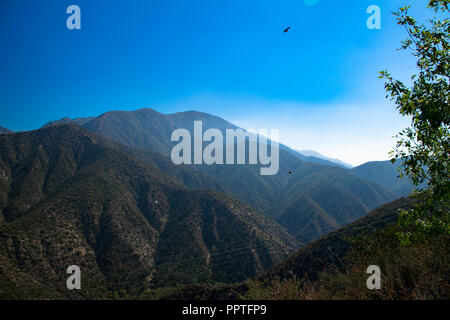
(287, 29)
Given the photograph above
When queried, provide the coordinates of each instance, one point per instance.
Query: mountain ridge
(218, 123)
(150, 130)
(68, 196)
(316, 154)
(66, 120)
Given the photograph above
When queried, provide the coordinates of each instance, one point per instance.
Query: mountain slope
(327, 253)
(319, 199)
(146, 129)
(68, 196)
(323, 255)
(312, 153)
(150, 130)
(385, 174)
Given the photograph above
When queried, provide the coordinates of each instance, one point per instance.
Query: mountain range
(69, 196)
(149, 129)
(102, 193)
(335, 198)
(326, 254)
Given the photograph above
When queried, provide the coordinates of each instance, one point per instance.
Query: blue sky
(317, 83)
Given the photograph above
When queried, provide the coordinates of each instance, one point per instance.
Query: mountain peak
(66, 120)
(315, 154)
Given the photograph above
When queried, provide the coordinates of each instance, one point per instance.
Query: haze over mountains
(107, 197)
(386, 175)
(148, 129)
(285, 197)
(312, 153)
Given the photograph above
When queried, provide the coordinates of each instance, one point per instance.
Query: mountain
(310, 158)
(148, 129)
(312, 153)
(313, 198)
(66, 120)
(328, 252)
(385, 174)
(319, 199)
(71, 197)
(5, 131)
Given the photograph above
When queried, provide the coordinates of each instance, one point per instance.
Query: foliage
(420, 271)
(424, 147)
(287, 289)
(334, 267)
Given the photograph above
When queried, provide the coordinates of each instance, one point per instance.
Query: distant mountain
(312, 153)
(308, 158)
(5, 131)
(68, 196)
(79, 121)
(385, 174)
(148, 129)
(307, 202)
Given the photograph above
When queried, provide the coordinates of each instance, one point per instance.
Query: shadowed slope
(68, 196)
(313, 200)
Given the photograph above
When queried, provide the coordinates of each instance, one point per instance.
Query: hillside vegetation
(68, 196)
(334, 267)
(309, 196)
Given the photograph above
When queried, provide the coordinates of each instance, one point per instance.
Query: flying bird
(287, 29)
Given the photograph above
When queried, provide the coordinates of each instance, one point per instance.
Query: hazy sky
(317, 83)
